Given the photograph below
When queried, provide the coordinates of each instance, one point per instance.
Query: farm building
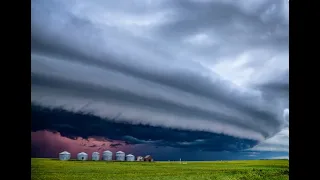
(82, 156)
(95, 156)
(130, 157)
(148, 158)
(107, 155)
(139, 158)
(120, 156)
(64, 155)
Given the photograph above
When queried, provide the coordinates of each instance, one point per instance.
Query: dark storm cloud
(199, 66)
(276, 84)
(224, 17)
(231, 28)
(86, 126)
(49, 145)
(101, 93)
(115, 145)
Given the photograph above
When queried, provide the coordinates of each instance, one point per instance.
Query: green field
(220, 170)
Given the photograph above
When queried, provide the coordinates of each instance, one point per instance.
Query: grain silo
(107, 155)
(95, 156)
(120, 156)
(130, 157)
(82, 156)
(64, 155)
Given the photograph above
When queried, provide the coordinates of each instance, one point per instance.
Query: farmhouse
(148, 158)
(64, 155)
(139, 158)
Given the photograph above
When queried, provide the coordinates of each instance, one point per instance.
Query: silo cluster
(106, 156)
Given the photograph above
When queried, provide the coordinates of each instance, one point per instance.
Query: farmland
(220, 170)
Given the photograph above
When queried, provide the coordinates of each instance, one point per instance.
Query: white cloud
(279, 157)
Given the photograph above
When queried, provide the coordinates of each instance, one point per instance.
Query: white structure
(107, 155)
(139, 158)
(95, 156)
(64, 155)
(130, 157)
(82, 156)
(120, 156)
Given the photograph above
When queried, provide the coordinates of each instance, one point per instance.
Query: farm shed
(64, 155)
(107, 155)
(148, 158)
(82, 156)
(139, 158)
(130, 157)
(120, 156)
(95, 156)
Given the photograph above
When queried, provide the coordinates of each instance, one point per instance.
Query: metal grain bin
(64, 156)
(82, 156)
(95, 156)
(130, 157)
(120, 156)
(107, 156)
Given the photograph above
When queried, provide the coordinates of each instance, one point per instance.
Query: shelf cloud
(210, 68)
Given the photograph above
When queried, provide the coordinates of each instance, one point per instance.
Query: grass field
(102, 170)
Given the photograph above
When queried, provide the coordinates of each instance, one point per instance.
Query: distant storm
(203, 75)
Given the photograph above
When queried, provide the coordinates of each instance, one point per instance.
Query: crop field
(206, 170)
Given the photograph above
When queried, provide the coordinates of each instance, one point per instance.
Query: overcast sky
(218, 67)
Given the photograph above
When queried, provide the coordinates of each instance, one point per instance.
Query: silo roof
(120, 152)
(64, 152)
(95, 153)
(129, 155)
(83, 153)
(107, 151)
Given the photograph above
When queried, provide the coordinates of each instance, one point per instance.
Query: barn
(120, 156)
(64, 155)
(95, 156)
(107, 155)
(139, 158)
(148, 158)
(82, 156)
(130, 157)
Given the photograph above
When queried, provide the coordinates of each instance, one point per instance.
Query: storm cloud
(205, 68)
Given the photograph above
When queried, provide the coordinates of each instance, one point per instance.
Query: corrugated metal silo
(120, 156)
(64, 155)
(95, 156)
(82, 156)
(130, 157)
(107, 155)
